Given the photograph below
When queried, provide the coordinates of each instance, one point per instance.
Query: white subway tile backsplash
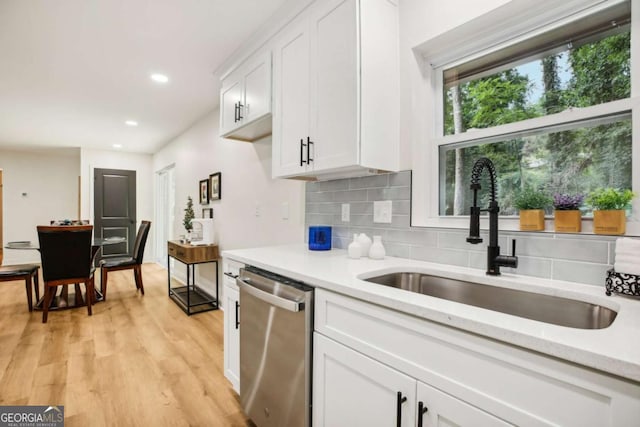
(443, 256)
(350, 196)
(583, 272)
(571, 257)
(578, 250)
(376, 181)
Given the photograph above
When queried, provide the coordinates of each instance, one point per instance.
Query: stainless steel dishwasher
(276, 325)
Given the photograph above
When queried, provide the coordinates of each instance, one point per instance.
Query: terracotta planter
(567, 221)
(532, 220)
(609, 222)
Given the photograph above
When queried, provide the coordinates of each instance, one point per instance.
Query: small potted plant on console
(567, 217)
(531, 203)
(609, 205)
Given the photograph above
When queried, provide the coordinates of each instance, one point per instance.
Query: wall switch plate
(382, 211)
(346, 212)
(285, 210)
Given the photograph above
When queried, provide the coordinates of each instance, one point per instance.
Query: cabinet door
(350, 389)
(230, 96)
(257, 89)
(231, 334)
(334, 85)
(291, 100)
(444, 410)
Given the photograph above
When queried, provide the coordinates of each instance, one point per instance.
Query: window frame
(436, 57)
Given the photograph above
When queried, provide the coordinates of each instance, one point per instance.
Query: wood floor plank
(138, 361)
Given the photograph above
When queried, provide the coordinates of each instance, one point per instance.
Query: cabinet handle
(237, 320)
(309, 144)
(401, 400)
(240, 111)
(235, 113)
(302, 145)
(421, 411)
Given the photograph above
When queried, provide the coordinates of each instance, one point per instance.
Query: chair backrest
(65, 251)
(141, 241)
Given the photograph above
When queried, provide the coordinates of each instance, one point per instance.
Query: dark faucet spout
(494, 259)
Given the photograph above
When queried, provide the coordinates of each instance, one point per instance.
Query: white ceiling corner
(74, 70)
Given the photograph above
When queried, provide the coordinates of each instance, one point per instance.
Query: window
(585, 64)
(547, 94)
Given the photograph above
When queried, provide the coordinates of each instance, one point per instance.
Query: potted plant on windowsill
(531, 203)
(567, 217)
(609, 204)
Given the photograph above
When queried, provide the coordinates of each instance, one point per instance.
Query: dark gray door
(115, 209)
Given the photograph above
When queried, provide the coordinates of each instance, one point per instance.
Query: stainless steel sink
(530, 305)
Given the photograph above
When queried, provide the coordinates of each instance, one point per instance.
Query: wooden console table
(191, 298)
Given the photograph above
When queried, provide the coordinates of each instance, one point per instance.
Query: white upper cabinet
(336, 98)
(245, 100)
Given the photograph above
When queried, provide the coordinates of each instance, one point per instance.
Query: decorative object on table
(627, 256)
(207, 213)
(215, 186)
(320, 237)
(531, 203)
(354, 249)
(69, 222)
(127, 263)
(622, 283)
(376, 251)
(609, 209)
(202, 233)
(365, 243)
(567, 217)
(204, 192)
(189, 215)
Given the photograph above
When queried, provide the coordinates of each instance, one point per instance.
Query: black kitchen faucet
(494, 259)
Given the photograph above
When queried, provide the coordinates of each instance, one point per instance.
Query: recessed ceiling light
(159, 78)
(131, 123)
(117, 145)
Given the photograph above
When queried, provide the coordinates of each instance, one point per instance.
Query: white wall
(49, 181)
(246, 184)
(141, 163)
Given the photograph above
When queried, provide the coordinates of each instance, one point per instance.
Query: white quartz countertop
(615, 349)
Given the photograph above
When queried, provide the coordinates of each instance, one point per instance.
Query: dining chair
(26, 272)
(127, 263)
(66, 256)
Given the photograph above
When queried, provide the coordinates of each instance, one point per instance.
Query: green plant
(604, 199)
(530, 198)
(188, 215)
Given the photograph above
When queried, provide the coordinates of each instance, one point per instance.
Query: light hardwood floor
(138, 361)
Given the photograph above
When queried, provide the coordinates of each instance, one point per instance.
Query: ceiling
(73, 71)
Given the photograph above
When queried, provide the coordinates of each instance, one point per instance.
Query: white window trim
(436, 57)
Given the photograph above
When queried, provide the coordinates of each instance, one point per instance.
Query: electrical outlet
(382, 211)
(346, 212)
(258, 209)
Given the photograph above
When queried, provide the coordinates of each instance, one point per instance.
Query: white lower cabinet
(438, 409)
(351, 389)
(365, 354)
(231, 329)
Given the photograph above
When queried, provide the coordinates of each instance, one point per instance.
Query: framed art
(204, 192)
(207, 212)
(215, 186)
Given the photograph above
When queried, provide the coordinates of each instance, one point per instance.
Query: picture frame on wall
(207, 212)
(204, 192)
(215, 186)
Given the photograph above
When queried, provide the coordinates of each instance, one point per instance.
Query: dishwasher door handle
(274, 300)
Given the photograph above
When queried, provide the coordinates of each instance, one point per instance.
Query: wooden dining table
(62, 301)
